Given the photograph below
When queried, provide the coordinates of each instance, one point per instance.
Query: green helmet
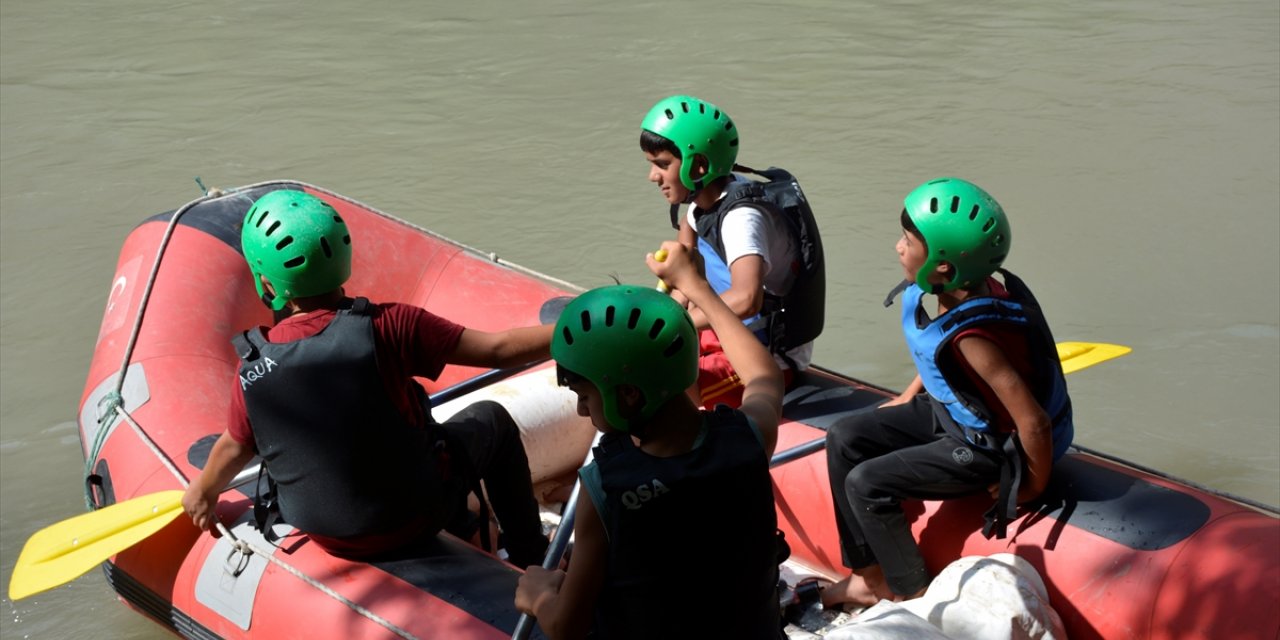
(299, 242)
(962, 225)
(628, 335)
(695, 127)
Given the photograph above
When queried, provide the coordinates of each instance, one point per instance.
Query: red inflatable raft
(1124, 552)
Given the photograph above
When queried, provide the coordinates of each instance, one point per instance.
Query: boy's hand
(200, 508)
(535, 585)
(680, 270)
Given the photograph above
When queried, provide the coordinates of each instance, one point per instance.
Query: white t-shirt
(748, 231)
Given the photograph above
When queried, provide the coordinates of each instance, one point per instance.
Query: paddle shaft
(560, 542)
(483, 380)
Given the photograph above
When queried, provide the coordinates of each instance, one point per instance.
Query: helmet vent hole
(716, 115)
(609, 313)
(656, 328)
(288, 240)
(324, 244)
(702, 108)
(973, 215)
(933, 205)
(685, 106)
(633, 319)
(955, 204)
(991, 222)
(568, 336)
(271, 229)
(671, 116)
(295, 262)
(586, 320)
(675, 347)
(346, 239)
(733, 142)
(728, 126)
(261, 218)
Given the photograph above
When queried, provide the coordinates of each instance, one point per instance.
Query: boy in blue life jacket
(988, 410)
(345, 432)
(758, 238)
(671, 487)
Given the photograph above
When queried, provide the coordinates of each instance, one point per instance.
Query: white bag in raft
(886, 621)
(1000, 597)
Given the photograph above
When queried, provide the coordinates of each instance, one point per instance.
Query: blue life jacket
(796, 317)
(710, 508)
(959, 409)
(343, 459)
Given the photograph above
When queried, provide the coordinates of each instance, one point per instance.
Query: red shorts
(717, 381)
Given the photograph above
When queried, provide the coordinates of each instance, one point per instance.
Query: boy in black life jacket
(672, 488)
(758, 239)
(989, 410)
(344, 431)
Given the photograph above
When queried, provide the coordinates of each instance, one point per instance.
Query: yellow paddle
(1078, 355)
(62, 552)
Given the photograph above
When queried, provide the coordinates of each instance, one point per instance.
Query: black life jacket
(710, 510)
(795, 317)
(343, 459)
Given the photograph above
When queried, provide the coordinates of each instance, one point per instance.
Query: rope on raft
(114, 401)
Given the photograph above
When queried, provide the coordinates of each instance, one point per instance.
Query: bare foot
(858, 590)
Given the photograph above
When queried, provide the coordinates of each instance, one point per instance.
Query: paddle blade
(1079, 355)
(60, 553)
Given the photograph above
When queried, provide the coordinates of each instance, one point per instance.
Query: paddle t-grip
(661, 256)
